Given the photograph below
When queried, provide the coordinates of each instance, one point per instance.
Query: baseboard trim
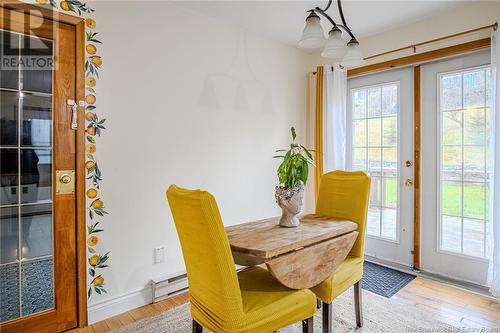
(118, 305)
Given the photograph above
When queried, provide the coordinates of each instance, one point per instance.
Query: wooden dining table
(299, 257)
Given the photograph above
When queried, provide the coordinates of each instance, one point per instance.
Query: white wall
(190, 101)
(467, 17)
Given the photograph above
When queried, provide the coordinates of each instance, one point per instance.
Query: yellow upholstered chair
(345, 195)
(222, 300)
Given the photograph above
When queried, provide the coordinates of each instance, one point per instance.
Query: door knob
(408, 182)
(408, 163)
(65, 181)
(65, 178)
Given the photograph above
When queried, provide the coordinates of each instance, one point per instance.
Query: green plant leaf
(294, 135)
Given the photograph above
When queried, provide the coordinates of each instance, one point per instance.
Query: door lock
(65, 182)
(408, 182)
(65, 178)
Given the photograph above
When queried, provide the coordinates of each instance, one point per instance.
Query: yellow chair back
(213, 282)
(345, 195)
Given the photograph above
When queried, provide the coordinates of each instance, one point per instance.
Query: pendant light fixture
(334, 47)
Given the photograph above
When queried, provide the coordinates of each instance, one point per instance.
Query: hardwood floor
(455, 306)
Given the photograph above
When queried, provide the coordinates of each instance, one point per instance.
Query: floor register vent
(166, 286)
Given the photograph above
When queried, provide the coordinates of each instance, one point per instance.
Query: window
(375, 150)
(464, 111)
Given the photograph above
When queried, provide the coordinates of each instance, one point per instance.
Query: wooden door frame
(416, 60)
(81, 250)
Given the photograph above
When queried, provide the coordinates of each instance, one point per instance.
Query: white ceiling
(284, 20)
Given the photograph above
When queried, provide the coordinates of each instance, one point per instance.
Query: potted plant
(292, 176)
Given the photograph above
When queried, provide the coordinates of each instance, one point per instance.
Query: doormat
(382, 280)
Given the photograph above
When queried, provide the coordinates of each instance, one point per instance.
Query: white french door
(455, 173)
(380, 142)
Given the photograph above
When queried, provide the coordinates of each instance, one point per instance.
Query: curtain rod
(414, 46)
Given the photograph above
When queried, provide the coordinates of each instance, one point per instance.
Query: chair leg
(327, 317)
(197, 327)
(358, 306)
(318, 303)
(308, 325)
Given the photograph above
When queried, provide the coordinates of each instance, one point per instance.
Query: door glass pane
(464, 171)
(37, 123)
(374, 102)
(375, 150)
(9, 235)
(36, 175)
(451, 92)
(452, 126)
(474, 89)
(390, 131)
(390, 99)
(37, 285)
(359, 159)
(9, 176)
(474, 126)
(9, 113)
(359, 104)
(10, 305)
(37, 71)
(360, 128)
(374, 132)
(26, 230)
(9, 42)
(36, 226)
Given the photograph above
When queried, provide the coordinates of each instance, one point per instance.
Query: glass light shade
(335, 47)
(313, 36)
(353, 57)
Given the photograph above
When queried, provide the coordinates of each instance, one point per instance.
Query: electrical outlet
(159, 254)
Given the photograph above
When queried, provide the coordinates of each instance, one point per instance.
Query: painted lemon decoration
(98, 204)
(91, 193)
(90, 23)
(90, 148)
(91, 49)
(89, 165)
(89, 116)
(42, 2)
(96, 60)
(90, 82)
(94, 260)
(90, 99)
(65, 5)
(92, 241)
(98, 280)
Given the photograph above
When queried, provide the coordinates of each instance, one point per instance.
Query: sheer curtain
(334, 118)
(494, 266)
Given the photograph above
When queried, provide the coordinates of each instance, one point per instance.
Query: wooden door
(38, 258)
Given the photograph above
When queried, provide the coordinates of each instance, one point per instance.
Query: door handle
(408, 182)
(74, 112)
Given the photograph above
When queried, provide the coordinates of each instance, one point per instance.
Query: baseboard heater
(166, 286)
